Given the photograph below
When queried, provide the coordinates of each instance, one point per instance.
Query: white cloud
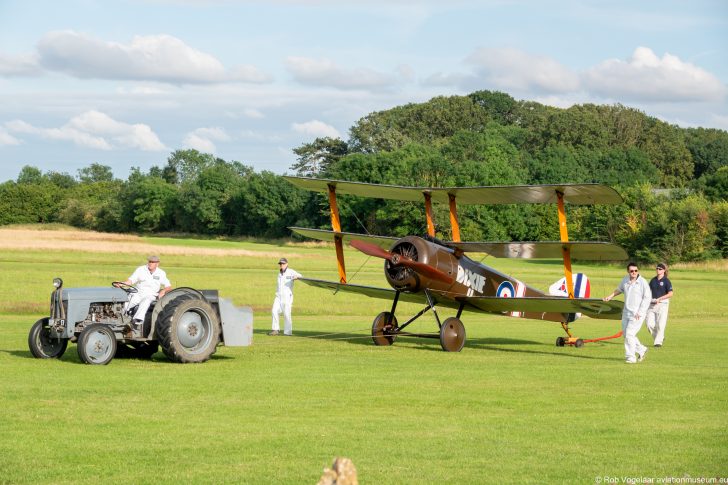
(512, 69)
(254, 135)
(203, 139)
(253, 113)
(324, 72)
(444, 79)
(719, 121)
(26, 65)
(7, 139)
(316, 128)
(155, 57)
(97, 130)
(645, 76)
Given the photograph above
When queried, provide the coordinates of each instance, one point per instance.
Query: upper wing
(594, 308)
(579, 194)
(592, 251)
(547, 304)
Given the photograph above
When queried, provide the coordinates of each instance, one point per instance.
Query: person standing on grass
(284, 298)
(637, 296)
(661, 288)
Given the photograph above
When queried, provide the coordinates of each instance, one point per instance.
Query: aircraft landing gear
(570, 340)
(384, 329)
(576, 342)
(452, 335)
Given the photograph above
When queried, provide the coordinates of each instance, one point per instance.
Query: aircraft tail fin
(582, 286)
(582, 289)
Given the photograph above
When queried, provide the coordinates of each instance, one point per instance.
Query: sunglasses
(634, 271)
(660, 269)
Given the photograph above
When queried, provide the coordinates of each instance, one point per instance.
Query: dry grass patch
(19, 238)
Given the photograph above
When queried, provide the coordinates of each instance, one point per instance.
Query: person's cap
(283, 260)
(153, 259)
(661, 266)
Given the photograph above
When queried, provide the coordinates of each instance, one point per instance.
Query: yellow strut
(428, 214)
(454, 219)
(336, 226)
(565, 250)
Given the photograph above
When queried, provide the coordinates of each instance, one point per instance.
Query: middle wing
(593, 308)
(593, 251)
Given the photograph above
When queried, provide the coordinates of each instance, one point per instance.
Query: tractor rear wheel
(188, 329)
(42, 345)
(96, 344)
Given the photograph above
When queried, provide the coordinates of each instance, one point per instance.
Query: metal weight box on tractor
(187, 323)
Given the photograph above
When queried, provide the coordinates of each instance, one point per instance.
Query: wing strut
(454, 219)
(566, 249)
(428, 214)
(336, 226)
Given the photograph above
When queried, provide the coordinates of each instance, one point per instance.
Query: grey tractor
(187, 323)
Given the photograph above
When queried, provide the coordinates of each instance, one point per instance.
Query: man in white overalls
(151, 282)
(637, 296)
(284, 298)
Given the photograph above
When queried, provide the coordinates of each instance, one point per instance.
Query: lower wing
(593, 308)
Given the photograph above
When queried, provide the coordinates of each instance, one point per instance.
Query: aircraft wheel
(579, 343)
(560, 341)
(382, 333)
(452, 335)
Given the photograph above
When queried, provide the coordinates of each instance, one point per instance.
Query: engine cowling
(417, 249)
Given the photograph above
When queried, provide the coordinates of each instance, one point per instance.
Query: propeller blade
(425, 269)
(371, 249)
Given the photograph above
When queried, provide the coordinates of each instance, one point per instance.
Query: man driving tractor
(151, 282)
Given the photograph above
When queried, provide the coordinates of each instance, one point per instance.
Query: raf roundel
(505, 290)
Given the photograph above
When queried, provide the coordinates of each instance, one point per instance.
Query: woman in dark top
(657, 312)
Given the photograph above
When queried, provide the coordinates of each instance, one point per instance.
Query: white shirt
(149, 283)
(637, 295)
(285, 281)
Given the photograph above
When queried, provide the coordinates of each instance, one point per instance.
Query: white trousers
(630, 328)
(141, 299)
(657, 320)
(282, 304)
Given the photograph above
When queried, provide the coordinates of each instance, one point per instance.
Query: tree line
(674, 180)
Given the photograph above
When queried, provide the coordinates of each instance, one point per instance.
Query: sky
(125, 83)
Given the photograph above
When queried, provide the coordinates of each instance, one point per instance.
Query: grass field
(511, 407)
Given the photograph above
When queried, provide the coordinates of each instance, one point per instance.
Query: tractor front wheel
(96, 344)
(42, 345)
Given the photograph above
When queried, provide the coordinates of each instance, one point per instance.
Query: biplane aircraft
(428, 271)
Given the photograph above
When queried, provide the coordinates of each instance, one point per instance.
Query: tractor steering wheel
(124, 286)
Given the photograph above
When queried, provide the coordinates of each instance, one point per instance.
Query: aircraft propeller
(371, 249)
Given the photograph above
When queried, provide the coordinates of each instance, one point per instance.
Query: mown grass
(511, 407)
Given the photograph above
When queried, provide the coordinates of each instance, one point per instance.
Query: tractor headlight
(57, 282)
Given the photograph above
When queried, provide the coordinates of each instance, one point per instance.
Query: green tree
(28, 203)
(186, 165)
(202, 198)
(315, 158)
(30, 175)
(265, 205)
(709, 149)
(95, 173)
